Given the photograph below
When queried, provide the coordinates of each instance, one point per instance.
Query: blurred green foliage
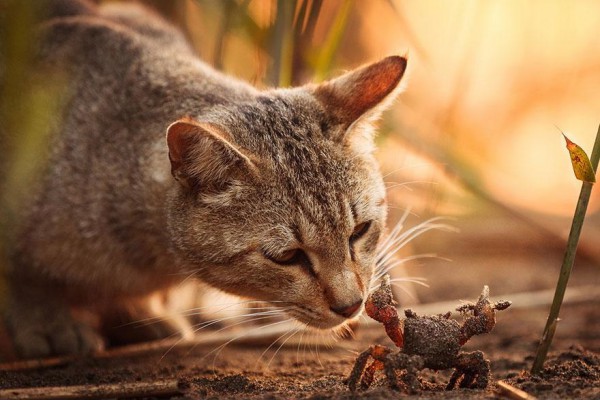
(29, 102)
(288, 39)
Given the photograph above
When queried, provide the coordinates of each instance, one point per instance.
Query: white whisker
(248, 320)
(395, 241)
(272, 344)
(304, 346)
(385, 268)
(293, 332)
(344, 331)
(243, 334)
(408, 292)
(354, 353)
(225, 306)
(405, 185)
(198, 310)
(410, 166)
(397, 228)
(395, 234)
(266, 314)
(189, 275)
(317, 352)
(298, 347)
(416, 280)
(410, 235)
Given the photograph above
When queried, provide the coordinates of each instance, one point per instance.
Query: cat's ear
(362, 93)
(202, 155)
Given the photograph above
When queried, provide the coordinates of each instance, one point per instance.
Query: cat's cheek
(290, 283)
(367, 250)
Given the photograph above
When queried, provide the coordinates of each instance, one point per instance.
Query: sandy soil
(300, 368)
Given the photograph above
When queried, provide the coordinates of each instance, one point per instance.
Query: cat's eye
(289, 257)
(359, 231)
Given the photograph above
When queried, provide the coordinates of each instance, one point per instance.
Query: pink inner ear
(376, 82)
(353, 94)
(202, 152)
(178, 140)
(179, 135)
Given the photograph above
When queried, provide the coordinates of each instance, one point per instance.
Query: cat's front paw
(67, 339)
(43, 331)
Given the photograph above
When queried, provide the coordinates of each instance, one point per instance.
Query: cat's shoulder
(114, 33)
(146, 23)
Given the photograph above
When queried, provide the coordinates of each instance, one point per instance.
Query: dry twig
(112, 390)
(511, 392)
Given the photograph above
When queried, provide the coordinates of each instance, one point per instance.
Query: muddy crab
(432, 342)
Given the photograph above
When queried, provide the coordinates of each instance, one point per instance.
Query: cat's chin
(330, 322)
(341, 328)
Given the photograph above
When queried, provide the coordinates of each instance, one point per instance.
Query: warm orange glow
(487, 84)
(489, 80)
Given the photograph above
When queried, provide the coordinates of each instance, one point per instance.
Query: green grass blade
(282, 44)
(567, 265)
(332, 42)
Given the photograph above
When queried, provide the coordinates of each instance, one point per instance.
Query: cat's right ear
(203, 156)
(362, 93)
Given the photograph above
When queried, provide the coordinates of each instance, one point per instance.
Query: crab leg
(378, 353)
(369, 374)
(412, 364)
(474, 369)
(358, 369)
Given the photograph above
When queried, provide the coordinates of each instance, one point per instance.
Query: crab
(432, 341)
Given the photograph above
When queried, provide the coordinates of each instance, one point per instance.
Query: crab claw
(380, 306)
(483, 305)
(484, 315)
(484, 297)
(484, 302)
(501, 305)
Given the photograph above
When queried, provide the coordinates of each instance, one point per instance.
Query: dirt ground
(301, 368)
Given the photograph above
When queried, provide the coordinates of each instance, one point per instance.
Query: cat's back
(131, 51)
(76, 26)
(128, 74)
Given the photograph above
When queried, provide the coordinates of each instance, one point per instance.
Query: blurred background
(473, 138)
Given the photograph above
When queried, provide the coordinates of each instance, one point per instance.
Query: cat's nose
(347, 311)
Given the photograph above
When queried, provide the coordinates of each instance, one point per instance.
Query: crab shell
(435, 338)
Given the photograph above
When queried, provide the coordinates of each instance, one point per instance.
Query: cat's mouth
(327, 319)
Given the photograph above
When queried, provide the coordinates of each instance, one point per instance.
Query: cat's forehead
(289, 135)
(288, 132)
(291, 132)
(279, 116)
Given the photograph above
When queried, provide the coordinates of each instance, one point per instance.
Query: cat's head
(279, 197)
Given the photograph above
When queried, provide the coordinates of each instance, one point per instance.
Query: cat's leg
(40, 323)
(143, 319)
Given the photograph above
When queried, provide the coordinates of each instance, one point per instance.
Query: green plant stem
(334, 38)
(567, 265)
(282, 49)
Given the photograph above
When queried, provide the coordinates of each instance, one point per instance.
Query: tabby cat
(162, 168)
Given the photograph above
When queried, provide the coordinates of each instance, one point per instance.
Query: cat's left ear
(204, 155)
(364, 93)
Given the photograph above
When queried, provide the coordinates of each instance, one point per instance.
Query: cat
(163, 168)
